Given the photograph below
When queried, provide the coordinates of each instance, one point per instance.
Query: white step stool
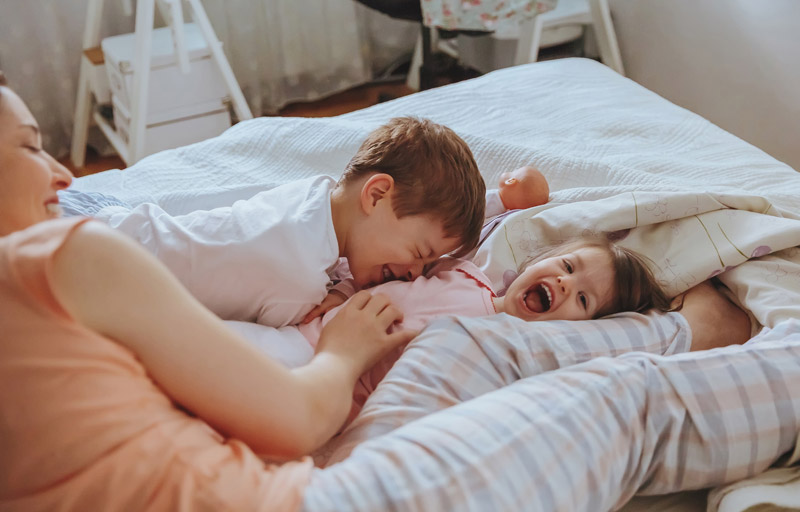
(169, 87)
(182, 107)
(137, 86)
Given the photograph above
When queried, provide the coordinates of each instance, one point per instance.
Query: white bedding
(591, 132)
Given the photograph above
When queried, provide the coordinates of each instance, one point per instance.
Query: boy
(411, 194)
(524, 187)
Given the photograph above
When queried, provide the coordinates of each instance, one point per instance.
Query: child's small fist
(333, 299)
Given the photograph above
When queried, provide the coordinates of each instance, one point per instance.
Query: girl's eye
(568, 266)
(583, 300)
(34, 149)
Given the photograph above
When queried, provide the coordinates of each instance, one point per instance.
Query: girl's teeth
(549, 296)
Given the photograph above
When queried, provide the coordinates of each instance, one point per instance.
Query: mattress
(594, 134)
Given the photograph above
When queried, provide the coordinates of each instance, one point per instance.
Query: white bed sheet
(593, 133)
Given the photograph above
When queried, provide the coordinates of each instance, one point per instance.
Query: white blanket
(689, 236)
(592, 133)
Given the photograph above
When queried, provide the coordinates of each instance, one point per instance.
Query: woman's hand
(359, 333)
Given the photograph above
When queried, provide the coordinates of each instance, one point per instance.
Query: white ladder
(172, 11)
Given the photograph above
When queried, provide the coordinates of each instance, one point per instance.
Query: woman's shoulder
(42, 238)
(35, 250)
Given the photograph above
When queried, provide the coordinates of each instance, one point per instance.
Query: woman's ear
(378, 186)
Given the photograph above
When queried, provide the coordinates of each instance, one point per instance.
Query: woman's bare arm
(111, 285)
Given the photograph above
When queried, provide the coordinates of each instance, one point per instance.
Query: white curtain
(280, 51)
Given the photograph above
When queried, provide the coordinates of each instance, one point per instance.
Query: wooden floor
(341, 103)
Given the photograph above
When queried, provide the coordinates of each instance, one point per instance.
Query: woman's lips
(52, 206)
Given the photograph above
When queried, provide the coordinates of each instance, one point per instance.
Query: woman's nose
(62, 177)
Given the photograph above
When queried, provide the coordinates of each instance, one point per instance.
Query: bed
(697, 200)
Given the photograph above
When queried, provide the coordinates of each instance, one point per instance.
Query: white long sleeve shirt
(264, 259)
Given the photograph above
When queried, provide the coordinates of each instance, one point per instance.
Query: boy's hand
(333, 299)
(358, 334)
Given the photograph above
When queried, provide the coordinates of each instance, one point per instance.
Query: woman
(102, 319)
(105, 361)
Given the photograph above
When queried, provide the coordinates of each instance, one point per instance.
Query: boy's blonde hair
(636, 288)
(434, 174)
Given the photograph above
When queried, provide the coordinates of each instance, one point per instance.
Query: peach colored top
(82, 425)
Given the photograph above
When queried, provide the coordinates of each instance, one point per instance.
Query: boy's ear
(378, 186)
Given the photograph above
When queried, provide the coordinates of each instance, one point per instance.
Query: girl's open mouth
(538, 298)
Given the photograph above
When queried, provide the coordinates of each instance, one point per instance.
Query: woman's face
(29, 177)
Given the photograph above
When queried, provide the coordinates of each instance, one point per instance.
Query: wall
(734, 62)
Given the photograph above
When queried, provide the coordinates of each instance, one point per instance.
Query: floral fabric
(488, 15)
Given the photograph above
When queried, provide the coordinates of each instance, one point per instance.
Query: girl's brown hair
(636, 288)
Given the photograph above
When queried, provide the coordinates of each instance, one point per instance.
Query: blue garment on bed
(86, 204)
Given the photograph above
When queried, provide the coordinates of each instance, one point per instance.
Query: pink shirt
(451, 287)
(82, 425)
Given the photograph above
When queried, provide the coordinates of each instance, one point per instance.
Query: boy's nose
(415, 270)
(408, 272)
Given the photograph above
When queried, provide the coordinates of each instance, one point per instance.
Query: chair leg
(421, 70)
(412, 79)
(426, 69)
(606, 36)
(530, 38)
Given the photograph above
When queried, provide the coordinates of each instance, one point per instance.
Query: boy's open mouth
(386, 274)
(538, 298)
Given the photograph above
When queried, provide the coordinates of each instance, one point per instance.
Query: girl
(576, 280)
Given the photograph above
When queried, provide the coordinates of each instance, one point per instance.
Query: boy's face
(572, 286)
(384, 248)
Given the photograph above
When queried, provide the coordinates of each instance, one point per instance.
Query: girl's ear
(377, 187)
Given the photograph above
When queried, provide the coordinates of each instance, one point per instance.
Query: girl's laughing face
(573, 286)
